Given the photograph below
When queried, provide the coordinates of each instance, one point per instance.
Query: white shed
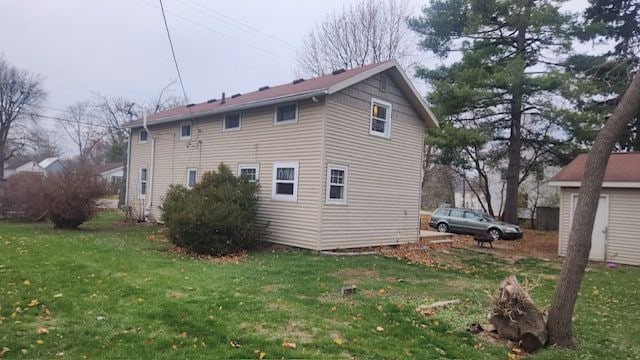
(616, 232)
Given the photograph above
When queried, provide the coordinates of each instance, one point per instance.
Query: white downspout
(127, 184)
(150, 180)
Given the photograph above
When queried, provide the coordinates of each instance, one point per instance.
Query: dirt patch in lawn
(535, 243)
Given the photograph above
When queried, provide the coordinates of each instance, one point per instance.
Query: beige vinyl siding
(259, 141)
(384, 174)
(623, 241)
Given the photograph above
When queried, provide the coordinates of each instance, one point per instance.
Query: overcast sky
(120, 48)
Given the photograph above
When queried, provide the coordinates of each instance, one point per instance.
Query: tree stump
(516, 317)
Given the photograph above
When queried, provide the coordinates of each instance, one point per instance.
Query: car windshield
(488, 218)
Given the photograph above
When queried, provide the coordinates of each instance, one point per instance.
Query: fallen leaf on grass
(261, 354)
(379, 329)
(33, 303)
(57, 295)
(183, 334)
(26, 282)
(289, 345)
(60, 354)
(4, 351)
(234, 344)
(148, 341)
(338, 340)
(42, 330)
(39, 341)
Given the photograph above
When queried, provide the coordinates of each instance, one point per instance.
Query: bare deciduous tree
(566, 292)
(364, 33)
(84, 130)
(21, 94)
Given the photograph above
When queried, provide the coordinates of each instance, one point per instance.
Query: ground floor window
(285, 181)
(337, 184)
(142, 182)
(192, 177)
(249, 171)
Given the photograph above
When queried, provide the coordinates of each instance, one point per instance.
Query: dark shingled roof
(622, 167)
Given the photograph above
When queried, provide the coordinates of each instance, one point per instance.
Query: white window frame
(387, 129)
(345, 185)
(140, 141)
(275, 114)
(189, 170)
(142, 196)
(284, 197)
(190, 131)
(224, 122)
(250, 166)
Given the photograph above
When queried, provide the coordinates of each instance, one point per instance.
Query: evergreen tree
(502, 83)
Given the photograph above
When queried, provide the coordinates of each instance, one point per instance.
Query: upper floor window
(337, 184)
(231, 122)
(185, 131)
(285, 114)
(285, 181)
(192, 177)
(249, 171)
(142, 136)
(380, 122)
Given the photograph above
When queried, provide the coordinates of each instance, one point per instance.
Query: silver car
(472, 222)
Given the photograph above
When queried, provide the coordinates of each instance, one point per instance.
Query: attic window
(380, 121)
(383, 82)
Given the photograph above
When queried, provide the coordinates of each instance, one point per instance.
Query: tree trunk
(566, 291)
(1, 162)
(515, 138)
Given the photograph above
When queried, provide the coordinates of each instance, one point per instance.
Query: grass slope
(112, 291)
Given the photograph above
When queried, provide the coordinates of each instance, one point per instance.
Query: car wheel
(442, 227)
(494, 234)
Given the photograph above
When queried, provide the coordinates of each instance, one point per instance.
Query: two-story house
(338, 157)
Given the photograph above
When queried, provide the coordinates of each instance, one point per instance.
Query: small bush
(22, 197)
(72, 195)
(217, 216)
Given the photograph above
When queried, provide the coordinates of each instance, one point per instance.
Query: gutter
(249, 105)
(147, 210)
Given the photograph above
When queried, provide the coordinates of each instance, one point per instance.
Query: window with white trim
(285, 181)
(337, 179)
(185, 132)
(142, 182)
(285, 114)
(249, 171)
(231, 122)
(380, 120)
(142, 136)
(192, 177)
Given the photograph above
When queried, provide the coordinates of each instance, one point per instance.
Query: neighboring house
(616, 231)
(112, 172)
(47, 166)
(51, 165)
(338, 157)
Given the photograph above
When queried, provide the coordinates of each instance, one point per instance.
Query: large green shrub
(217, 216)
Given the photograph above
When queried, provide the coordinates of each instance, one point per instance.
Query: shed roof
(293, 91)
(623, 170)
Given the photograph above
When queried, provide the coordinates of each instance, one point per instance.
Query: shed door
(600, 227)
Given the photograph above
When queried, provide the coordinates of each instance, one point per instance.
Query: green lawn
(112, 291)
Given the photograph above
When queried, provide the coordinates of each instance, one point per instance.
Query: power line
(223, 34)
(173, 52)
(69, 120)
(239, 24)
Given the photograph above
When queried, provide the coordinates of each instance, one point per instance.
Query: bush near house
(66, 198)
(217, 216)
(22, 198)
(71, 195)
